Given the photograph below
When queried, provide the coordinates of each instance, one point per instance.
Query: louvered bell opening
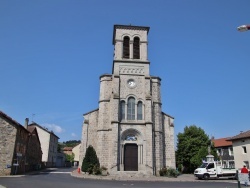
(126, 47)
(136, 48)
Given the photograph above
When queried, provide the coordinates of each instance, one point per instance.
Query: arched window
(131, 109)
(126, 47)
(122, 110)
(136, 48)
(139, 110)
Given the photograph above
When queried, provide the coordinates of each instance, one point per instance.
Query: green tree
(90, 160)
(70, 157)
(59, 147)
(192, 147)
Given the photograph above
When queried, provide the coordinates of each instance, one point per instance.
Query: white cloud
(54, 128)
(73, 134)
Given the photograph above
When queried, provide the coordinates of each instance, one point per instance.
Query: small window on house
(247, 164)
(244, 149)
(122, 110)
(224, 164)
(136, 48)
(131, 109)
(219, 152)
(126, 47)
(139, 110)
(231, 152)
(231, 164)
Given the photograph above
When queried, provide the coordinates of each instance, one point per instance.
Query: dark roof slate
(2, 114)
(242, 135)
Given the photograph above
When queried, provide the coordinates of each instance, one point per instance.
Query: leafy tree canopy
(70, 157)
(192, 147)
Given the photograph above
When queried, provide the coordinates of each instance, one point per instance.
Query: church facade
(129, 131)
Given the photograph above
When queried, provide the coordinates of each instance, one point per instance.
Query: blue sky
(52, 53)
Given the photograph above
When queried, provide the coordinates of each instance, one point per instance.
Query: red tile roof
(241, 136)
(222, 142)
(67, 148)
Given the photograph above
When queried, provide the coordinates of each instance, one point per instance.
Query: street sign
(8, 166)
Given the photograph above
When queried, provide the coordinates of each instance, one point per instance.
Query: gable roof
(6, 117)
(242, 135)
(43, 128)
(222, 142)
(33, 130)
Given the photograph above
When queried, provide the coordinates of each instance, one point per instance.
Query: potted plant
(104, 171)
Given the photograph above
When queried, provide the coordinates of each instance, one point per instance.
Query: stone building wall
(89, 133)
(34, 152)
(13, 142)
(168, 123)
(21, 149)
(7, 146)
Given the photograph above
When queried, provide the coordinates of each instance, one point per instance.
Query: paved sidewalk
(180, 178)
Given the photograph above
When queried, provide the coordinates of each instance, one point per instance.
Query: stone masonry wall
(7, 145)
(169, 141)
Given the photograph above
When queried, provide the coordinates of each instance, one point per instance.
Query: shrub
(90, 161)
(170, 172)
(103, 168)
(163, 171)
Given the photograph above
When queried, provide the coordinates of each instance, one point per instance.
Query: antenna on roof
(33, 115)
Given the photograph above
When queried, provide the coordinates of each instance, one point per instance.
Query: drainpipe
(153, 140)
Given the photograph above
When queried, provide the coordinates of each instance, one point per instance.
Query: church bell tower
(129, 131)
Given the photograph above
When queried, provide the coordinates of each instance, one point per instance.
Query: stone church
(129, 131)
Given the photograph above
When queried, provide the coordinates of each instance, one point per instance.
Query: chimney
(26, 123)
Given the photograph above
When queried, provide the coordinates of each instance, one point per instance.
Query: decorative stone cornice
(105, 100)
(129, 27)
(99, 130)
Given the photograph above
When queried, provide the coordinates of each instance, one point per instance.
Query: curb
(151, 178)
(181, 178)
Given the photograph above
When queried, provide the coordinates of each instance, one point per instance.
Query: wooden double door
(130, 157)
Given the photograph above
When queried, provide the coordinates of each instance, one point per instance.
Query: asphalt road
(61, 178)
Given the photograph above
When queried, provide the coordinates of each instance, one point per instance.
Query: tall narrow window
(244, 149)
(122, 110)
(126, 47)
(136, 48)
(131, 109)
(231, 151)
(139, 110)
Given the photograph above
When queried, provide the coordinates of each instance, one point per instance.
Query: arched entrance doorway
(131, 150)
(130, 157)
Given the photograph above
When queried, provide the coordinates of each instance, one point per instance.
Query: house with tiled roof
(49, 143)
(34, 151)
(76, 151)
(67, 150)
(241, 147)
(224, 149)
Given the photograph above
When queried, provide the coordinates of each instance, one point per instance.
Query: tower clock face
(131, 83)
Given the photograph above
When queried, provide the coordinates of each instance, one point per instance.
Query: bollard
(78, 170)
(237, 176)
